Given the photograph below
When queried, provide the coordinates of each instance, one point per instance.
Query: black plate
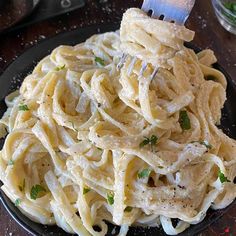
(12, 78)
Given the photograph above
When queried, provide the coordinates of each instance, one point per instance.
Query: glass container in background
(226, 13)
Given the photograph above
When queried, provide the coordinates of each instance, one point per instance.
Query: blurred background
(25, 23)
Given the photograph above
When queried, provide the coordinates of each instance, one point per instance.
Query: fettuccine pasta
(90, 140)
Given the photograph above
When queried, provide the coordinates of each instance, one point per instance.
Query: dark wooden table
(209, 34)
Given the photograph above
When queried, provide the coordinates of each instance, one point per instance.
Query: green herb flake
(100, 149)
(144, 173)
(184, 120)
(144, 142)
(110, 198)
(231, 6)
(86, 190)
(58, 68)
(22, 187)
(128, 209)
(152, 141)
(206, 144)
(222, 177)
(35, 190)
(11, 162)
(210, 77)
(23, 107)
(100, 61)
(17, 202)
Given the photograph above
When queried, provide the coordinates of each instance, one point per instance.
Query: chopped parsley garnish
(58, 68)
(222, 177)
(145, 142)
(86, 190)
(149, 141)
(184, 120)
(17, 202)
(22, 187)
(23, 107)
(231, 6)
(35, 190)
(210, 77)
(144, 173)
(206, 144)
(110, 198)
(128, 209)
(11, 162)
(100, 61)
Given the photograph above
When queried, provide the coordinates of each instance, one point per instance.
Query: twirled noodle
(89, 142)
(152, 40)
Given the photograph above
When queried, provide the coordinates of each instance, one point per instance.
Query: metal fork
(176, 11)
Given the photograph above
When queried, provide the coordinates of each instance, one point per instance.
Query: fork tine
(122, 61)
(131, 66)
(154, 73)
(178, 17)
(143, 68)
(147, 5)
